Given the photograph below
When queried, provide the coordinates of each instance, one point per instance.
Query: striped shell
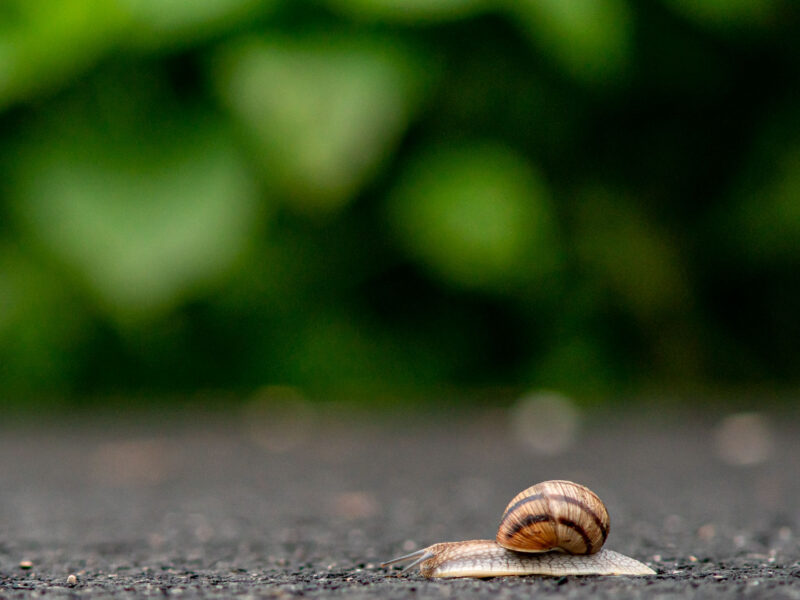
(554, 515)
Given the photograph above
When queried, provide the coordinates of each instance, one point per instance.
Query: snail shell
(554, 515)
(552, 528)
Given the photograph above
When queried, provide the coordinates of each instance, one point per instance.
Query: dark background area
(391, 200)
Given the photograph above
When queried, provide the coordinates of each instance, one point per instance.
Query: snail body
(553, 528)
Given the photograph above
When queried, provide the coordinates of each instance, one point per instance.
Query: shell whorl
(554, 515)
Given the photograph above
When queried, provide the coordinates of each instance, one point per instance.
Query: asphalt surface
(253, 507)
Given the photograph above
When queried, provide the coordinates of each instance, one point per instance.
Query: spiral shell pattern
(554, 515)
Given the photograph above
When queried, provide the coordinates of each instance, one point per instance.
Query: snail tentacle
(420, 556)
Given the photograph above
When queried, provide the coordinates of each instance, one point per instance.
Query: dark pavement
(308, 506)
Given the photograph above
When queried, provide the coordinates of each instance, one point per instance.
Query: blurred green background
(396, 198)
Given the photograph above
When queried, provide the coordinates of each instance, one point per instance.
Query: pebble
(707, 532)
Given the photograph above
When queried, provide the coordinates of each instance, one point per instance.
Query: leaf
(322, 113)
(143, 225)
(43, 43)
(478, 216)
(159, 23)
(590, 39)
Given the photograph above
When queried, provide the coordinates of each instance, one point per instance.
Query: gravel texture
(308, 506)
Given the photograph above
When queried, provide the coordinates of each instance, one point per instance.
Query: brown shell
(554, 515)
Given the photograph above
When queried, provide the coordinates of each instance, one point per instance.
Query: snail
(552, 528)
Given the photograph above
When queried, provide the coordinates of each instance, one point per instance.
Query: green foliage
(141, 221)
(476, 215)
(590, 39)
(44, 44)
(357, 196)
(732, 15)
(322, 112)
